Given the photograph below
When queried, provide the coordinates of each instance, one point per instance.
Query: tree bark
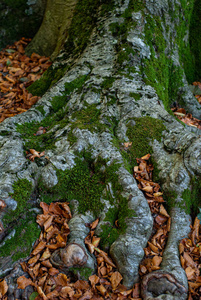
(117, 89)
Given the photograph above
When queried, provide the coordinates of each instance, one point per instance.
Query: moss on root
(145, 130)
(22, 192)
(20, 244)
(26, 231)
(58, 116)
(86, 182)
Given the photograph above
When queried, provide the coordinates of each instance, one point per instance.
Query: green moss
(85, 182)
(22, 192)
(170, 198)
(195, 43)
(160, 71)
(81, 183)
(19, 246)
(58, 102)
(59, 117)
(47, 80)
(4, 132)
(107, 83)
(75, 84)
(186, 18)
(87, 118)
(145, 130)
(135, 96)
(191, 197)
(40, 108)
(120, 212)
(83, 273)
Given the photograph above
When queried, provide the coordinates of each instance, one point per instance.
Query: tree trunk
(119, 79)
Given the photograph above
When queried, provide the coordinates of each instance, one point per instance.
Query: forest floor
(17, 73)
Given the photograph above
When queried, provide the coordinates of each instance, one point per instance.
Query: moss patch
(85, 182)
(22, 192)
(47, 80)
(19, 246)
(191, 197)
(145, 130)
(195, 42)
(58, 116)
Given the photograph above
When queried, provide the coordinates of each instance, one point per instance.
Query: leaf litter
(50, 282)
(17, 72)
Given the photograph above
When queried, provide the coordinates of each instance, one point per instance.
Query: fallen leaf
(115, 279)
(3, 287)
(23, 282)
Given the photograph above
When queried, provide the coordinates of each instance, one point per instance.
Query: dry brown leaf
(94, 279)
(94, 224)
(190, 273)
(127, 144)
(157, 260)
(33, 259)
(23, 282)
(41, 293)
(81, 285)
(146, 157)
(101, 289)
(3, 287)
(163, 211)
(153, 247)
(46, 254)
(39, 248)
(115, 279)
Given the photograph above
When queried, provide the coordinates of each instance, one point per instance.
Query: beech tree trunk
(123, 64)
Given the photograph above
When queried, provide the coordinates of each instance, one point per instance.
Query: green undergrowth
(58, 116)
(19, 246)
(195, 42)
(141, 133)
(22, 192)
(86, 182)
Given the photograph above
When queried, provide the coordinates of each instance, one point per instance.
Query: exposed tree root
(156, 284)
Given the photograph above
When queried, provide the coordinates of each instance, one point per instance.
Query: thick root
(162, 285)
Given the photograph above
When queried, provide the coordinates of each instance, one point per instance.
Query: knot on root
(70, 256)
(159, 283)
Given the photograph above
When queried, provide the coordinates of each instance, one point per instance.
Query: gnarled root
(170, 282)
(162, 285)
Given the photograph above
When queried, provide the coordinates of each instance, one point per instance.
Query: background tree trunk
(122, 66)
